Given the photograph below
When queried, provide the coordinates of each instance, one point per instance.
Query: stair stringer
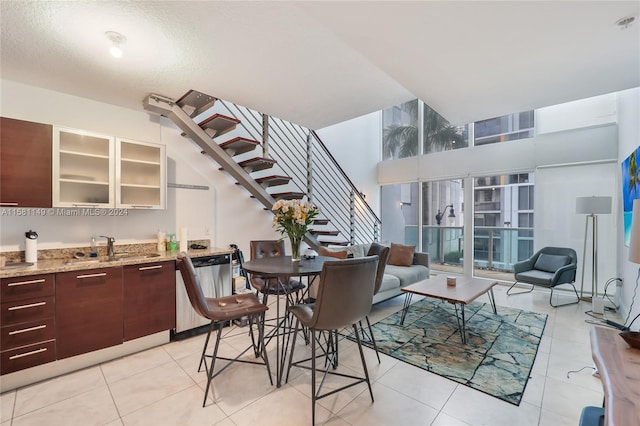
(169, 108)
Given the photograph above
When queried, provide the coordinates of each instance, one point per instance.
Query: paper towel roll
(184, 244)
(31, 251)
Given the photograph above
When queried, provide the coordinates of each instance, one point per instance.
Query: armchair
(549, 267)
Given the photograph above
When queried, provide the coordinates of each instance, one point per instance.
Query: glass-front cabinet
(83, 169)
(140, 174)
(92, 170)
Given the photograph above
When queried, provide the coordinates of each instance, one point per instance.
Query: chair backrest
(345, 292)
(560, 251)
(265, 248)
(192, 285)
(383, 257)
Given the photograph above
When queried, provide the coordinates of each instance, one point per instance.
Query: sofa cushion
(358, 250)
(408, 274)
(401, 255)
(551, 262)
(338, 254)
(389, 282)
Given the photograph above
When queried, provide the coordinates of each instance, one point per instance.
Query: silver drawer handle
(8, 204)
(146, 268)
(26, 330)
(25, 282)
(141, 207)
(85, 205)
(28, 353)
(31, 305)
(92, 275)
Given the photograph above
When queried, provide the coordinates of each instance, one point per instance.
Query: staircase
(289, 162)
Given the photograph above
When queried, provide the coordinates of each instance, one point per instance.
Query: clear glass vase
(296, 241)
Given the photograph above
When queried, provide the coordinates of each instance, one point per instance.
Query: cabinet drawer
(27, 356)
(20, 311)
(14, 336)
(17, 288)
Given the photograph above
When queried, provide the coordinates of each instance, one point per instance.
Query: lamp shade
(593, 205)
(634, 246)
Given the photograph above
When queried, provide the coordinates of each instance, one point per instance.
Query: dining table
(278, 267)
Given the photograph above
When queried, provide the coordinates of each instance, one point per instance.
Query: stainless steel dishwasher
(214, 274)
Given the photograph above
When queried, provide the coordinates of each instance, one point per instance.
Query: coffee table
(464, 292)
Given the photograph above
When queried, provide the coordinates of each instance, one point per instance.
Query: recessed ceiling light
(117, 40)
(626, 22)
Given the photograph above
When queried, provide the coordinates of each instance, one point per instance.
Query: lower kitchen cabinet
(88, 310)
(149, 299)
(27, 322)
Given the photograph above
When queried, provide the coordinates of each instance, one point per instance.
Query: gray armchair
(549, 267)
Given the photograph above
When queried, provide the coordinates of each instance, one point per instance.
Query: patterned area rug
(496, 360)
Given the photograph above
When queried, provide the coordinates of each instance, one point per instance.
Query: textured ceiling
(320, 63)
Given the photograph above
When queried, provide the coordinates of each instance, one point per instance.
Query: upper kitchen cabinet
(83, 169)
(140, 175)
(25, 163)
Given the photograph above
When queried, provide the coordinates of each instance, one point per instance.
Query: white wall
(629, 137)
(355, 144)
(224, 214)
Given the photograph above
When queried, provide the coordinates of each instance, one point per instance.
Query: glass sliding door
(502, 223)
(442, 224)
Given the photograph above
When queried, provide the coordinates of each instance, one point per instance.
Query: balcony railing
(494, 248)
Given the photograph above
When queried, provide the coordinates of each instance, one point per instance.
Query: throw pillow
(401, 255)
(338, 254)
(551, 262)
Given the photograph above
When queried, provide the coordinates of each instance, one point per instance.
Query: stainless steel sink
(82, 262)
(131, 256)
(116, 258)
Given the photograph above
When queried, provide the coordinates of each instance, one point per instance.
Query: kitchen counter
(64, 265)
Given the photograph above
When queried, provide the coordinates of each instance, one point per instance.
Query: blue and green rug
(496, 360)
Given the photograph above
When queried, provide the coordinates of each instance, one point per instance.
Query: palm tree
(401, 140)
(634, 173)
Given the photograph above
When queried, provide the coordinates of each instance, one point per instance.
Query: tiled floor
(161, 386)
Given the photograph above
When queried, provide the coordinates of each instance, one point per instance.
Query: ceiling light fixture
(626, 22)
(117, 41)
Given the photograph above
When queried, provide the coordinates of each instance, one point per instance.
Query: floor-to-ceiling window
(502, 221)
(442, 223)
(400, 209)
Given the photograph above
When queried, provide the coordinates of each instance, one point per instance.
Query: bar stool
(221, 310)
(345, 296)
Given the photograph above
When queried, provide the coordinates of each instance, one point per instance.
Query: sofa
(397, 274)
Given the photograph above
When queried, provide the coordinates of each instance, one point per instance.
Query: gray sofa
(395, 277)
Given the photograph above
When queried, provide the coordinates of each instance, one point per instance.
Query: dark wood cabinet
(27, 322)
(25, 163)
(88, 310)
(149, 299)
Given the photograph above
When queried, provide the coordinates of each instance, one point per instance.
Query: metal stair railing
(330, 188)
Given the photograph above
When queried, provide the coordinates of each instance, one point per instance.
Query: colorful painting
(630, 189)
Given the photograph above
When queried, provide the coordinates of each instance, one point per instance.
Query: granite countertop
(48, 266)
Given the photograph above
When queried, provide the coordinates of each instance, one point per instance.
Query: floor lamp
(591, 206)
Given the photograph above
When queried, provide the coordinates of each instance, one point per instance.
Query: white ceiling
(317, 63)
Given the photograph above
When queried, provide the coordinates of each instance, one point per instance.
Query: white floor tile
(58, 389)
(94, 407)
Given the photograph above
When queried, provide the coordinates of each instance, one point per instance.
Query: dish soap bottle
(94, 250)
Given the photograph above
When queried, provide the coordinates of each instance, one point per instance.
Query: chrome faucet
(110, 241)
